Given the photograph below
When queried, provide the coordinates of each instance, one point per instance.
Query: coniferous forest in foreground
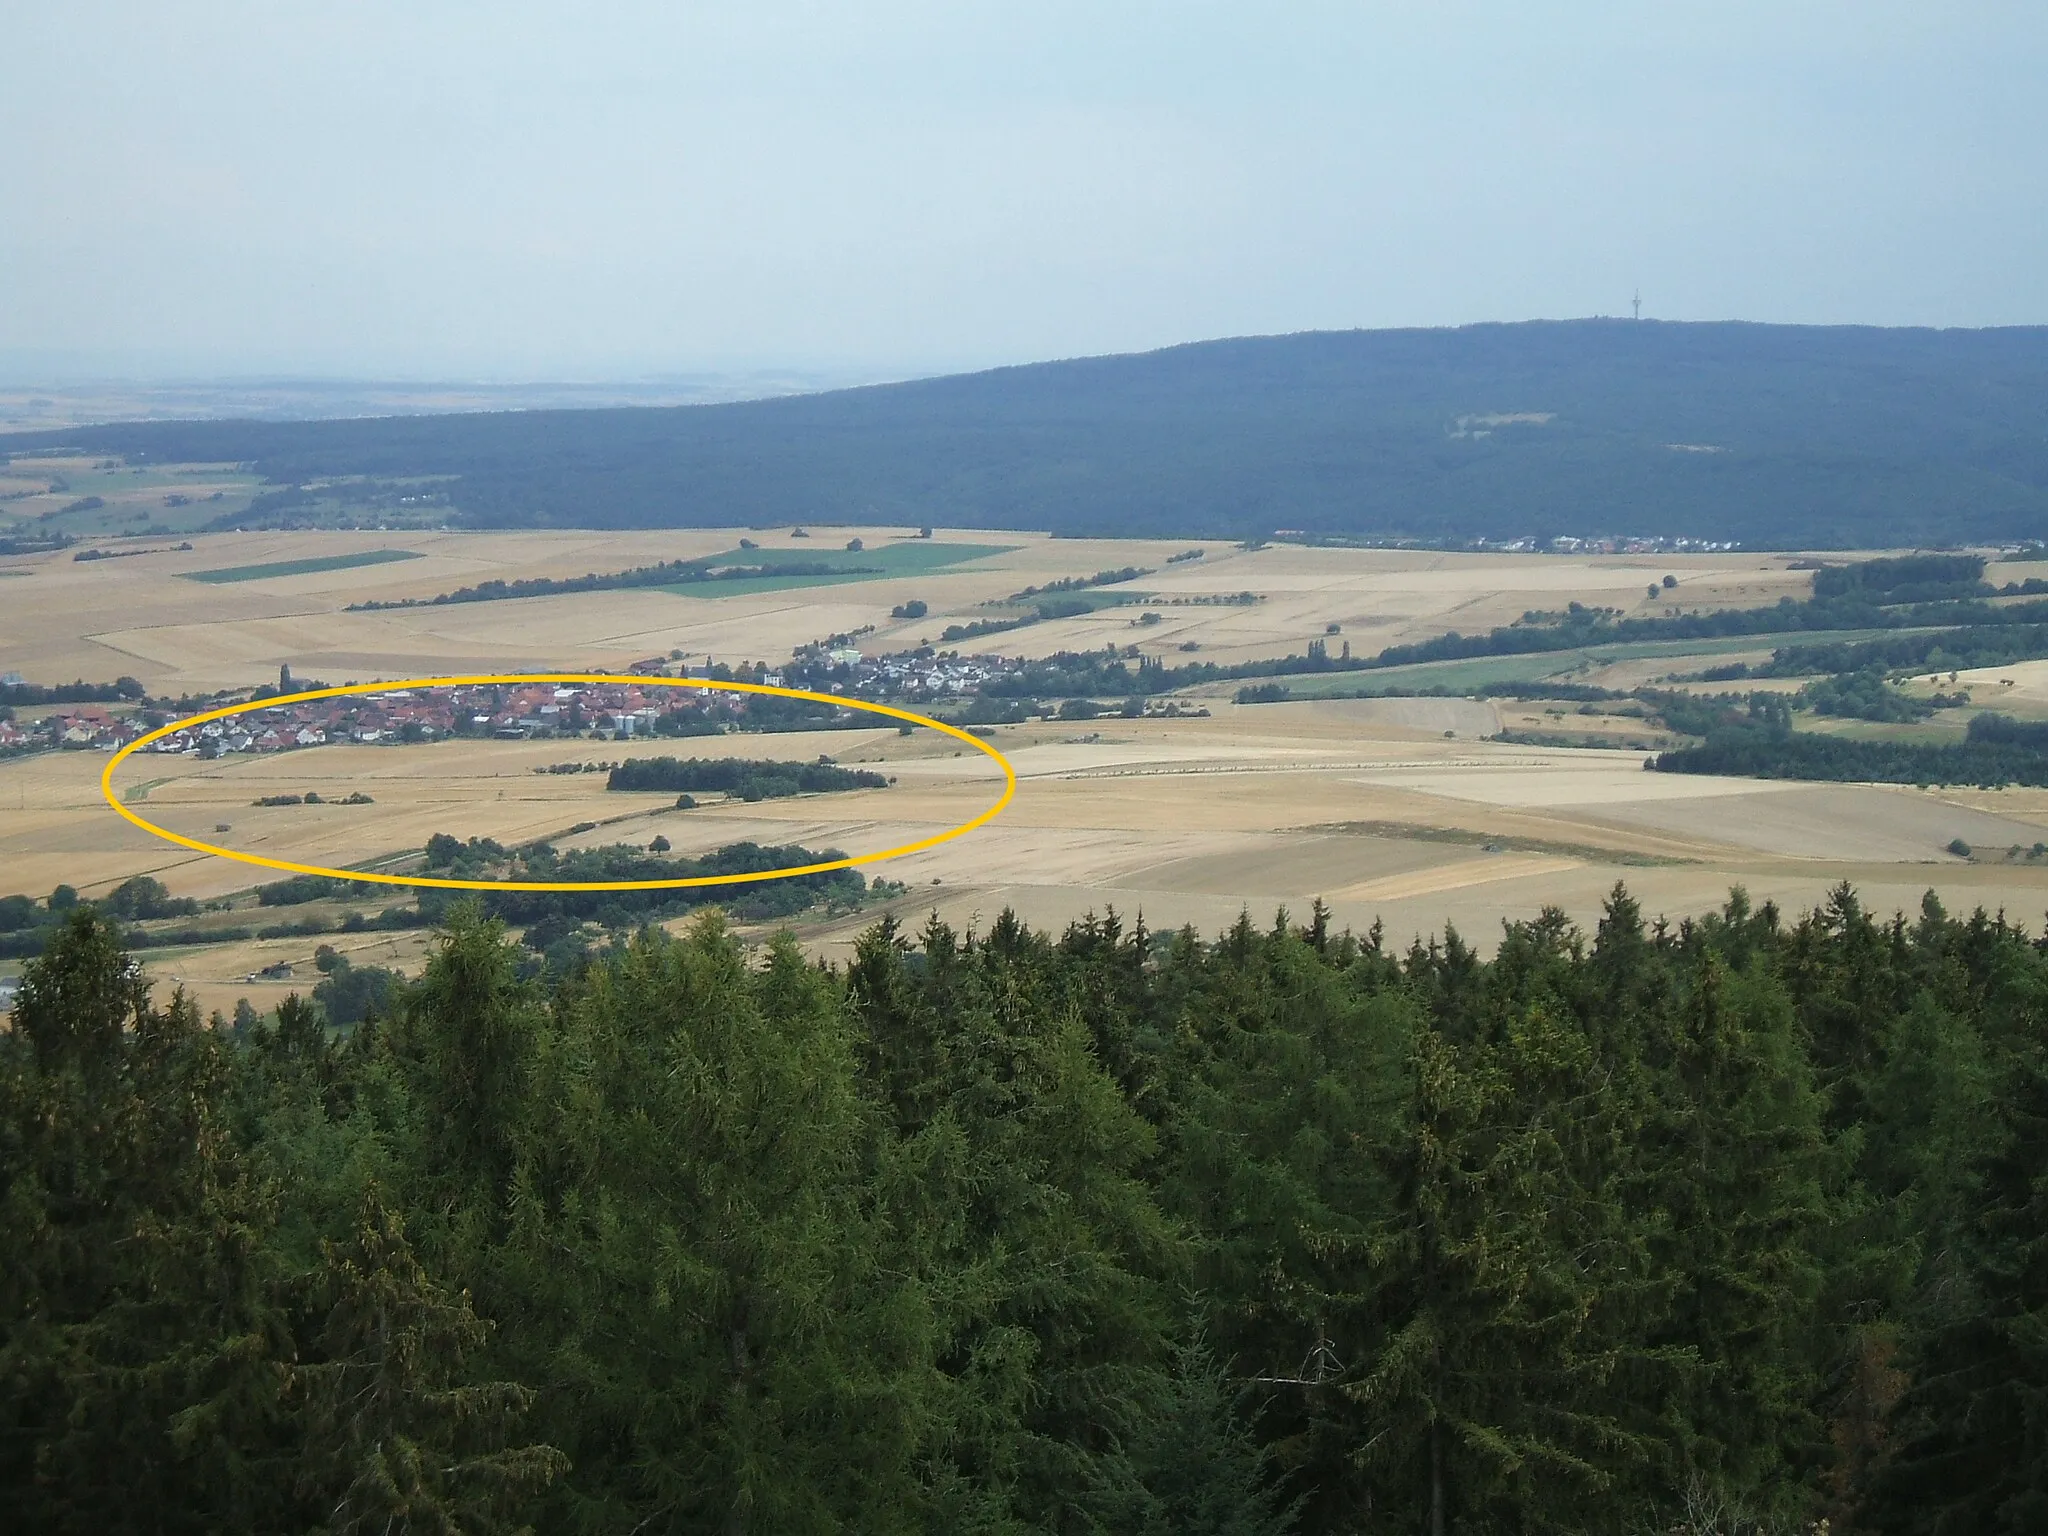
(1736, 1225)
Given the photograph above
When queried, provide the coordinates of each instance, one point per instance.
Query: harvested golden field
(1392, 809)
(146, 617)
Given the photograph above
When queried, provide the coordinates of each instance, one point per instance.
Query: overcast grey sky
(521, 190)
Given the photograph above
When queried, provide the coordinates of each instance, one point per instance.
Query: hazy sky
(511, 190)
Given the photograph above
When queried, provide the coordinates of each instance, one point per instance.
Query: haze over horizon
(524, 193)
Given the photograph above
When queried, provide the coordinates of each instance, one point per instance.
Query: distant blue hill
(1773, 436)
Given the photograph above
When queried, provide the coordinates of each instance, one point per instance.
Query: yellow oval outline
(107, 783)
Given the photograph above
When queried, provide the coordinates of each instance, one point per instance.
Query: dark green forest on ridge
(1771, 436)
(1736, 1224)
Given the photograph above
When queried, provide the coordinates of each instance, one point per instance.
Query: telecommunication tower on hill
(1638, 301)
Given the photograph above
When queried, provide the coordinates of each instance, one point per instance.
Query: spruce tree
(467, 1035)
(144, 1327)
(1502, 1263)
(1972, 1451)
(398, 1435)
(1288, 1078)
(688, 1259)
(1742, 1162)
(1192, 1466)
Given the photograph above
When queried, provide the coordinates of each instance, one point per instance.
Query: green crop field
(301, 567)
(1454, 676)
(1948, 726)
(909, 558)
(1467, 673)
(1726, 645)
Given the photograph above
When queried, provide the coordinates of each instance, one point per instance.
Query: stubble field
(1396, 810)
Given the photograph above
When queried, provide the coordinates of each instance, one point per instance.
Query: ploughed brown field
(1396, 810)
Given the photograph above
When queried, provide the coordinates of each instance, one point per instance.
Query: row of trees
(1760, 743)
(745, 778)
(664, 573)
(1733, 1225)
(78, 692)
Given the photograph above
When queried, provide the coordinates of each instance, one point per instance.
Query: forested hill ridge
(1769, 436)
